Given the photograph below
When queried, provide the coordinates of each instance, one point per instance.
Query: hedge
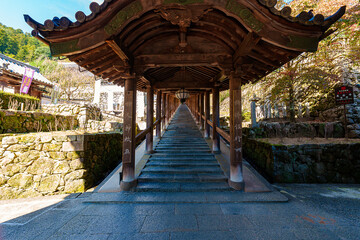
(5, 98)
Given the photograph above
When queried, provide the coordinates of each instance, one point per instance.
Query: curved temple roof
(184, 43)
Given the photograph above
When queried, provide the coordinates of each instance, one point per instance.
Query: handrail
(143, 133)
(224, 134)
(146, 131)
(221, 132)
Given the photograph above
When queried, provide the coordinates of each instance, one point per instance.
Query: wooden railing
(143, 133)
(220, 131)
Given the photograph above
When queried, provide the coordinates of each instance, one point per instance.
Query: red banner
(26, 81)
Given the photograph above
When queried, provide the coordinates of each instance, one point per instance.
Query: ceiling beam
(181, 60)
(179, 84)
(248, 43)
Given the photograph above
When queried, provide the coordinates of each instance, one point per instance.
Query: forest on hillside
(21, 46)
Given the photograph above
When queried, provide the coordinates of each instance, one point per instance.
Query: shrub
(6, 98)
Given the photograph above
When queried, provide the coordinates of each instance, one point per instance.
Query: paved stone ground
(312, 212)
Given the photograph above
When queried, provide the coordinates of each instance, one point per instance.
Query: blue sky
(11, 11)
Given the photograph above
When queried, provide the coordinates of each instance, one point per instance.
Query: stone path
(182, 161)
(313, 212)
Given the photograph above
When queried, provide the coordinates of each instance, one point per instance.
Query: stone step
(201, 155)
(181, 146)
(183, 159)
(174, 163)
(183, 170)
(184, 151)
(182, 187)
(195, 149)
(167, 177)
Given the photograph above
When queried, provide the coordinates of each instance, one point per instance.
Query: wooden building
(204, 46)
(11, 75)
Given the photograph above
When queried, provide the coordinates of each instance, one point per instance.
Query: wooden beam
(248, 43)
(116, 48)
(171, 84)
(179, 60)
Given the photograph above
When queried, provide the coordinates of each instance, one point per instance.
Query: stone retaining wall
(54, 163)
(103, 126)
(296, 130)
(307, 163)
(26, 122)
(82, 113)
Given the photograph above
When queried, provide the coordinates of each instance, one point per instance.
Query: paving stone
(198, 209)
(202, 235)
(171, 223)
(128, 209)
(81, 237)
(120, 223)
(77, 225)
(140, 236)
(224, 222)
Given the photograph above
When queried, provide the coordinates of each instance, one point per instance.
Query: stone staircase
(182, 161)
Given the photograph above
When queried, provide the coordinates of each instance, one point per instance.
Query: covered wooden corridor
(203, 46)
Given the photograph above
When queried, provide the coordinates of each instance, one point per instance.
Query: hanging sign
(26, 81)
(344, 95)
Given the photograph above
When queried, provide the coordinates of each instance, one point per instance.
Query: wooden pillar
(163, 110)
(197, 108)
(215, 120)
(207, 114)
(150, 118)
(158, 113)
(236, 180)
(128, 156)
(167, 109)
(202, 122)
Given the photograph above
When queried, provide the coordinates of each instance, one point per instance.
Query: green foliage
(224, 95)
(246, 116)
(26, 99)
(21, 46)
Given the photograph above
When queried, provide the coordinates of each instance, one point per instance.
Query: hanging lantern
(182, 95)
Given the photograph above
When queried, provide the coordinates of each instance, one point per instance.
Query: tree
(73, 83)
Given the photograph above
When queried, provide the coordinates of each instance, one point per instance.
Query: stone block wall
(26, 122)
(296, 130)
(55, 163)
(307, 163)
(82, 113)
(103, 126)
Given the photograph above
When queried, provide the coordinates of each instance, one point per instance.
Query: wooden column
(158, 113)
(236, 180)
(167, 109)
(202, 122)
(163, 108)
(150, 118)
(128, 156)
(197, 108)
(216, 120)
(207, 114)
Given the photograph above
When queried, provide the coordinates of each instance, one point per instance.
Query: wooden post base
(240, 186)
(128, 186)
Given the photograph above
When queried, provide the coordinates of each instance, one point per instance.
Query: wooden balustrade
(143, 133)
